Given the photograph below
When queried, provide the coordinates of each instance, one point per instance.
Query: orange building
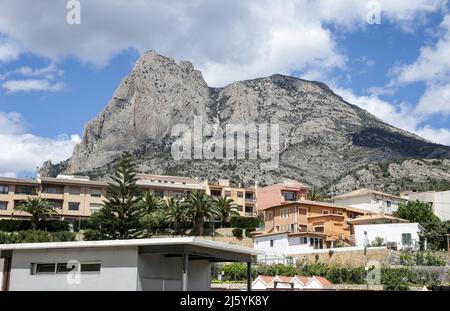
(318, 224)
(289, 191)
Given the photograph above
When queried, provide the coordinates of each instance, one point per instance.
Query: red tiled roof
(303, 279)
(286, 279)
(323, 280)
(266, 278)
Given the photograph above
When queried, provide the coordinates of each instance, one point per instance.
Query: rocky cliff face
(321, 135)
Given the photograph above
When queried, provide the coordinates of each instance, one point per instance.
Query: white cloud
(228, 41)
(8, 174)
(432, 67)
(26, 151)
(441, 135)
(28, 85)
(401, 115)
(8, 50)
(435, 100)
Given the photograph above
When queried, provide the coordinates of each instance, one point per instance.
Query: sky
(58, 68)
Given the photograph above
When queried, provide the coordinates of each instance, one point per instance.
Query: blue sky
(55, 77)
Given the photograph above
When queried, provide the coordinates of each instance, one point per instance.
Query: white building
(440, 201)
(283, 244)
(370, 200)
(401, 235)
(128, 265)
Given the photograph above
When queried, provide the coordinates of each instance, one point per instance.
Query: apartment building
(243, 197)
(370, 200)
(292, 227)
(289, 191)
(78, 196)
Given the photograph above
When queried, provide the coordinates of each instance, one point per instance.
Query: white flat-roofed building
(370, 200)
(402, 236)
(160, 264)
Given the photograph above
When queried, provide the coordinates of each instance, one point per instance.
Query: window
(269, 216)
(61, 268)
(96, 193)
(240, 194)
(240, 208)
(319, 229)
(325, 212)
(302, 211)
(75, 190)
(30, 190)
(4, 189)
(289, 196)
(303, 240)
(178, 195)
(56, 203)
(90, 267)
(388, 203)
(271, 243)
(406, 238)
(284, 212)
(228, 193)
(3, 205)
(159, 193)
(74, 206)
(316, 243)
(95, 207)
(292, 228)
(52, 190)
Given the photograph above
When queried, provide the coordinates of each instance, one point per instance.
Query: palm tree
(38, 208)
(150, 202)
(175, 213)
(226, 208)
(199, 205)
(314, 194)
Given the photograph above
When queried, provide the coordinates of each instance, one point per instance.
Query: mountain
(394, 177)
(321, 135)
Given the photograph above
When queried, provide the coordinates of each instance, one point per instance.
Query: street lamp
(366, 241)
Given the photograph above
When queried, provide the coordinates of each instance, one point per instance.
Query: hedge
(244, 222)
(37, 236)
(14, 225)
(391, 278)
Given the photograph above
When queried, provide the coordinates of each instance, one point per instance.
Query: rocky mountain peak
(321, 136)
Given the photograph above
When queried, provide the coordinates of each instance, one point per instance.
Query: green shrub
(237, 233)
(53, 225)
(395, 278)
(63, 236)
(244, 222)
(92, 235)
(30, 236)
(15, 225)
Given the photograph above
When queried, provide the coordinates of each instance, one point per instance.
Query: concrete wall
(118, 269)
(389, 232)
(158, 272)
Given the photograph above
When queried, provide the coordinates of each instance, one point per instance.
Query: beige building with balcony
(78, 197)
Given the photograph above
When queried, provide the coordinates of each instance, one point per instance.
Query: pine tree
(122, 210)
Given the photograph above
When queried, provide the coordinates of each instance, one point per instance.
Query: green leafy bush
(237, 233)
(63, 236)
(244, 222)
(30, 236)
(14, 225)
